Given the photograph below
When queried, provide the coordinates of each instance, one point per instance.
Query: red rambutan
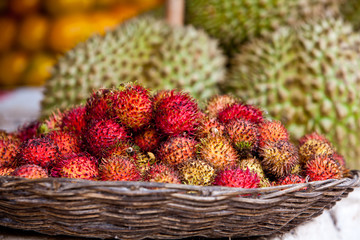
(103, 135)
(79, 165)
(240, 111)
(236, 177)
(279, 158)
(272, 131)
(177, 113)
(322, 168)
(38, 151)
(147, 139)
(28, 131)
(218, 103)
(162, 173)
(291, 179)
(315, 136)
(97, 106)
(119, 168)
(66, 142)
(243, 134)
(30, 171)
(74, 120)
(176, 150)
(209, 125)
(132, 106)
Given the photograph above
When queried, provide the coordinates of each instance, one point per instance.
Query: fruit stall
(179, 119)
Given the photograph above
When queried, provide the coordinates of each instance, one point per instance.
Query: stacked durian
(131, 133)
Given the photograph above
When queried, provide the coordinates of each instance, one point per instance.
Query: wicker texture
(137, 210)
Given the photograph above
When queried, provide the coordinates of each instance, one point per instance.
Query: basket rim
(70, 183)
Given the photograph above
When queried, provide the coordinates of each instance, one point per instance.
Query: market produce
(163, 174)
(118, 168)
(30, 171)
(306, 77)
(236, 21)
(145, 50)
(105, 149)
(197, 172)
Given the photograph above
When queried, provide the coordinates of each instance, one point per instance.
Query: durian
(236, 21)
(308, 78)
(144, 50)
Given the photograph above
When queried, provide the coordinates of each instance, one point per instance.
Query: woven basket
(137, 210)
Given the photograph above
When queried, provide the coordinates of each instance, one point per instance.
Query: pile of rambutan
(132, 134)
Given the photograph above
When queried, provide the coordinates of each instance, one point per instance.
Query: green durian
(307, 77)
(350, 10)
(236, 21)
(144, 50)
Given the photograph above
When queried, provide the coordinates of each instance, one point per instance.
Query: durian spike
(175, 12)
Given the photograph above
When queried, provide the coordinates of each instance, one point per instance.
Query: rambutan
(237, 177)
(177, 113)
(291, 179)
(103, 135)
(79, 165)
(279, 158)
(217, 150)
(272, 131)
(119, 149)
(39, 151)
(66, 142)
(243, 134)
(241, 111)
(313, 135)
(176, 150)
(254, 166)
(209, 125)
(74, 120)
(30, 171)
(162, 173)
(147, 139)
(314, 147)
(144, 161)
(132, 106)
(197, 172)
(28, 131)
(119, 168)
(218, 103)
(6, 171)
(9, 148)
(52, 123)
(97, 106)
(322, 168)
(159, 95)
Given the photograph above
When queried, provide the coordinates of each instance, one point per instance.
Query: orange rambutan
(217, 150)
(119, 168)
(272, 131)
(176, 150)
(322, 167)
(30, 171)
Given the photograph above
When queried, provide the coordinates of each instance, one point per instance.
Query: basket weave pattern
(137, 210)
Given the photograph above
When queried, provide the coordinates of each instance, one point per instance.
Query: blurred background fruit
(34, 33)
